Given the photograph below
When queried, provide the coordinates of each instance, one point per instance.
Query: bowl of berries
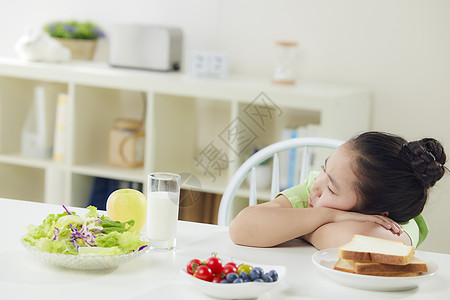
(228, 278)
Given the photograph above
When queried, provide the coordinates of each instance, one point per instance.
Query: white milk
(162, 216)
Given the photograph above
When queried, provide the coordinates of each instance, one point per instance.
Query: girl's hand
(386, 222)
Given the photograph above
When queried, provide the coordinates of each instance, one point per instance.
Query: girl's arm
(275, 222)
(333, 235)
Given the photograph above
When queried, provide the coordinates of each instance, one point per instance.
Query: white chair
(273, 151)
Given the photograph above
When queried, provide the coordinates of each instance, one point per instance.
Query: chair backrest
(271, 151)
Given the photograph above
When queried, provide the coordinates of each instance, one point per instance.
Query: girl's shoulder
(298, 195)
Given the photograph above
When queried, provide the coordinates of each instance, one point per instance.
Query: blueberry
(238, 280)
(255, 273)
(273, 274)
(247, 280)
(244, 276)
(266, 278)
(232, 276)
(258, 280)
(224, 281)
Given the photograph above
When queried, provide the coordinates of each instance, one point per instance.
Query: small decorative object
(207, 64)
(38, 46)
(79, 37)
(284, 70)
(37, 134)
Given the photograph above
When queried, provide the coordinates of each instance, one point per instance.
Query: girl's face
(334, 186)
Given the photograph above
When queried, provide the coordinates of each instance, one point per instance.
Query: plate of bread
(375, 264)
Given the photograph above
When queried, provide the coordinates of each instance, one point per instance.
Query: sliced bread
(369, 249)
(347, 266)
(415, 266)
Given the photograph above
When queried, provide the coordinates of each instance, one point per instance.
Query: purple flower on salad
(56, 233)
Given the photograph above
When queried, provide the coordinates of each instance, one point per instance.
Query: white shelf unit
(185, 119)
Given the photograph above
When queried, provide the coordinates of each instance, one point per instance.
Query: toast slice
(415, 266)
(369, 249)
(376, 269)
(344, 266)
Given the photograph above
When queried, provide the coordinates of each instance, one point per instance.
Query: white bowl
(244, 290)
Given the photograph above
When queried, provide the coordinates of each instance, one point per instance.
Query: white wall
(399, 49)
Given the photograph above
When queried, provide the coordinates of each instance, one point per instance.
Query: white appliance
(150, 47)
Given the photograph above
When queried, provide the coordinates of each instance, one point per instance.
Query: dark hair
(393, 175)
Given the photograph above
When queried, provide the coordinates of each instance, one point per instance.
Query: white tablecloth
(156, 275)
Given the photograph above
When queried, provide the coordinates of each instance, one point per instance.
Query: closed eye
(331, 190)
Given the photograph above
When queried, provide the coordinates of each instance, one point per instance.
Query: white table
(156, 275)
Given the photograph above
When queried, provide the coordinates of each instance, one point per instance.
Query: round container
(126, 143)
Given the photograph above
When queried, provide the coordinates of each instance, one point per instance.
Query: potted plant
(79, 37)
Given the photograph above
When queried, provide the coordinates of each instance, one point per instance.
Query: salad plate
(244, 290)
(81, 261)
(325, 260)
(90, 241)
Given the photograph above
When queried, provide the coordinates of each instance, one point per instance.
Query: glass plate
(325, 260)
(246, 290)
(82, 262)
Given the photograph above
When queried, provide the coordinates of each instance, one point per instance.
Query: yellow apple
(127, 204)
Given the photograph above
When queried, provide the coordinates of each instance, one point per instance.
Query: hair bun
(427, 158)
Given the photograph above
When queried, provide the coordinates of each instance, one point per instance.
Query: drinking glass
(162, 210)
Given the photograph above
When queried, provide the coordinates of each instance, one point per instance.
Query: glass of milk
(162, 210)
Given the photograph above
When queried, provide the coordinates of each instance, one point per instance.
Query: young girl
(369, 186)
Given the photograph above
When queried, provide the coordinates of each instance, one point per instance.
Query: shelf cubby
(21, 182)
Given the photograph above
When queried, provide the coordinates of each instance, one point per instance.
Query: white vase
(263, 176)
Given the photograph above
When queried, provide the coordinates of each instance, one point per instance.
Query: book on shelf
(291, 160)
(59, 142)
(287, 160)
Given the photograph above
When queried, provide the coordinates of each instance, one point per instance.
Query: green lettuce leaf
(110, 226)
